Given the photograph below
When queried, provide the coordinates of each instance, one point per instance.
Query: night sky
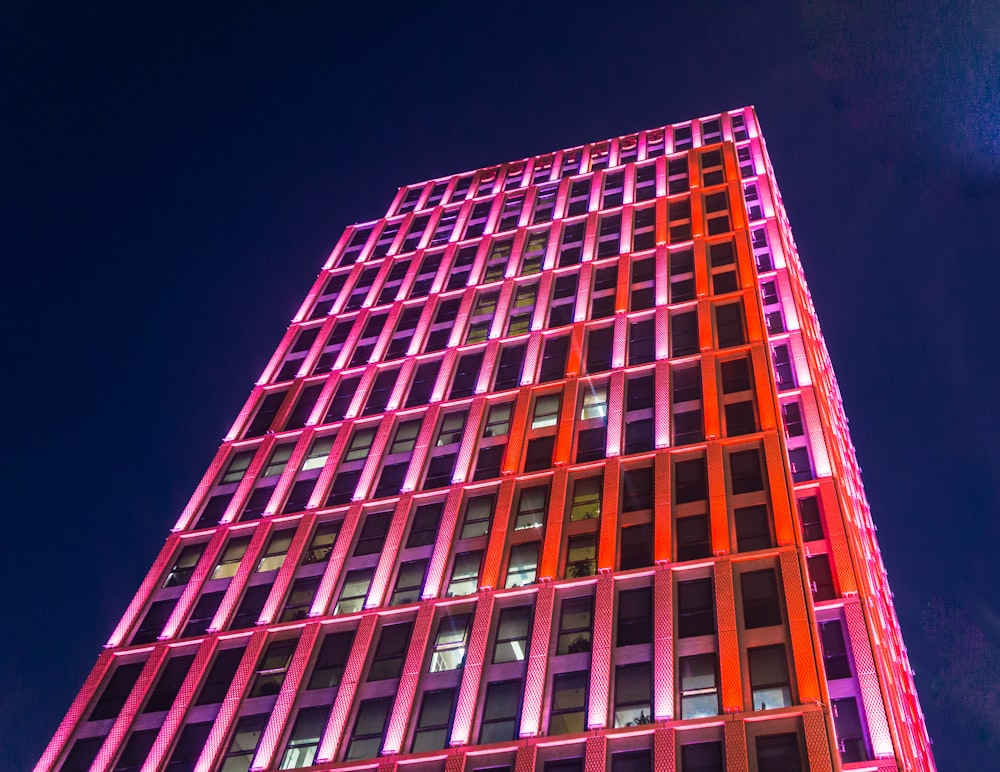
(174, 179)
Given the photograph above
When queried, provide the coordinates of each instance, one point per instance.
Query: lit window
(575, 623)
(769, 678)
(478, 512)
(523, 566)
(304, 739)
(237, 467)
(569, 703)
(531, 507)
(595, 402)
(546, 411)
(586, 499)
(699, 687)
(352, 596)
(184, 566)
(276, 550)
(433, 720)
(633, 695)
(498, 420)
(448, 651)
(452, 426)
(581, 556)
(361, 444)
(318, 453)
(271, 670)
(406, 437)
(321, 545)
(465, 574)
(409, 582)
(231, 557)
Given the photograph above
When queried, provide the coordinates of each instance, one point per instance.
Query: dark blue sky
(173, 181)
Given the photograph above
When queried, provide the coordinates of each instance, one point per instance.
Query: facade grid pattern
(550, 472)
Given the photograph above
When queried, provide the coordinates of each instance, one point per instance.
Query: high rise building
(550, 472)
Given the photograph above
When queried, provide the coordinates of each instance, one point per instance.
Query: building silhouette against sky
(551, 472)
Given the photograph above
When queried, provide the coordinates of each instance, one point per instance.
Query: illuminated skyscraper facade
(550, 472)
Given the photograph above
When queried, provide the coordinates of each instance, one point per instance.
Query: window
(409, 582)
(511, 361)
(369, 337)
(116, 692)
(850, 735)
(523, 566)
(448, 651)
(702, 757)
(465, 375)
(342, 399)
(452, 427)
(608, 235)
(575, 625)
(684, 334)
(778, 753)
(792, 415)
(434, 720)
(699, 686)
(545, 202)
(633, 695)
(318, 453)
(753, 528)
(329, 666)
(531, 507)
(695, 608)
(300, 598)
(534, 253)
(373, 533)
(729, 325)
(735, 375)
(496, 263)
(361, 443)
(406, 437)
(761, 607)
(798, 459)
(180, 573)
(821, 578)
(635, 616)
(334, 345)
(741, 418)
(682, 287)
(591, 444)
(636, 546)
(304, 739)
(272, 667)
(569, 703)
(745, 472)
(202, 614)
(231, 557)
(690, 480)
(836, 661)
(638, 435)
(354, 591)
(784, 373)
(693, 542)
(498, 420)
(321, 545)
(134, 754)
(277, 548)
(500, 708)
(553, 366)
(489, 461)
(769, 677)
(465, 574)
(641, 342)
(439, 471)
(637, 489)
(546, 411)
(189, 746)
(511, 643)
(643, 234)
(265, 415)
(169, 684)
(369, 728)
(632, 761)
(599, 344)
(237, 466)
(424, 529)
(563, 300)
(581, 556)
(300, 414)
(84, 751)
(586, 504)
(538, 455)
(387, 662)
(250, 607)
(382, 388)
(243, 746)
(257, 503)
(481, 317)
(220, 677)
(478, 513)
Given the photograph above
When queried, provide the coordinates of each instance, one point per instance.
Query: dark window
(722, 253)
(745, 471)
(250, 607)
(373, 533)
(695, 608)
(769, 677)
(500, 708)
(204, 611)
(633, 695)
(637, 546)
(189, 747)
(684, 334)
(783, 367)
(152, 624)
(638, 436)
(693, 540)
(599, 350)
(346, 390)
(425, 525)
(632, 761)
(798, 459)
(836, 661)
(729, 325)
(637, 489)
(136, 750)
(271, 669)
(792, 415)
(640, 393)
(690, 481)
(82, 754)
(243, 746)
(265, 414)
(686, 384)
(387, 661)
(554, 359)
(439, 471)
(575, 622)
(169, 684)
(511, 643)
(423, 383)
(116, 691)
(381, 390)
(642, 342)
(329, 666)
(300, 599)
(635, 616)
(821, 578)
(753, 528)
(488, 463)
(539, 454)
(306, 402)
(409, 582)
(391, 479)
(761, 607)
(741, 418)
(465, 375)
(590, 444)
(850, 735)
(702, 757)
(778, 753)
(343, 488)
(509, 368)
